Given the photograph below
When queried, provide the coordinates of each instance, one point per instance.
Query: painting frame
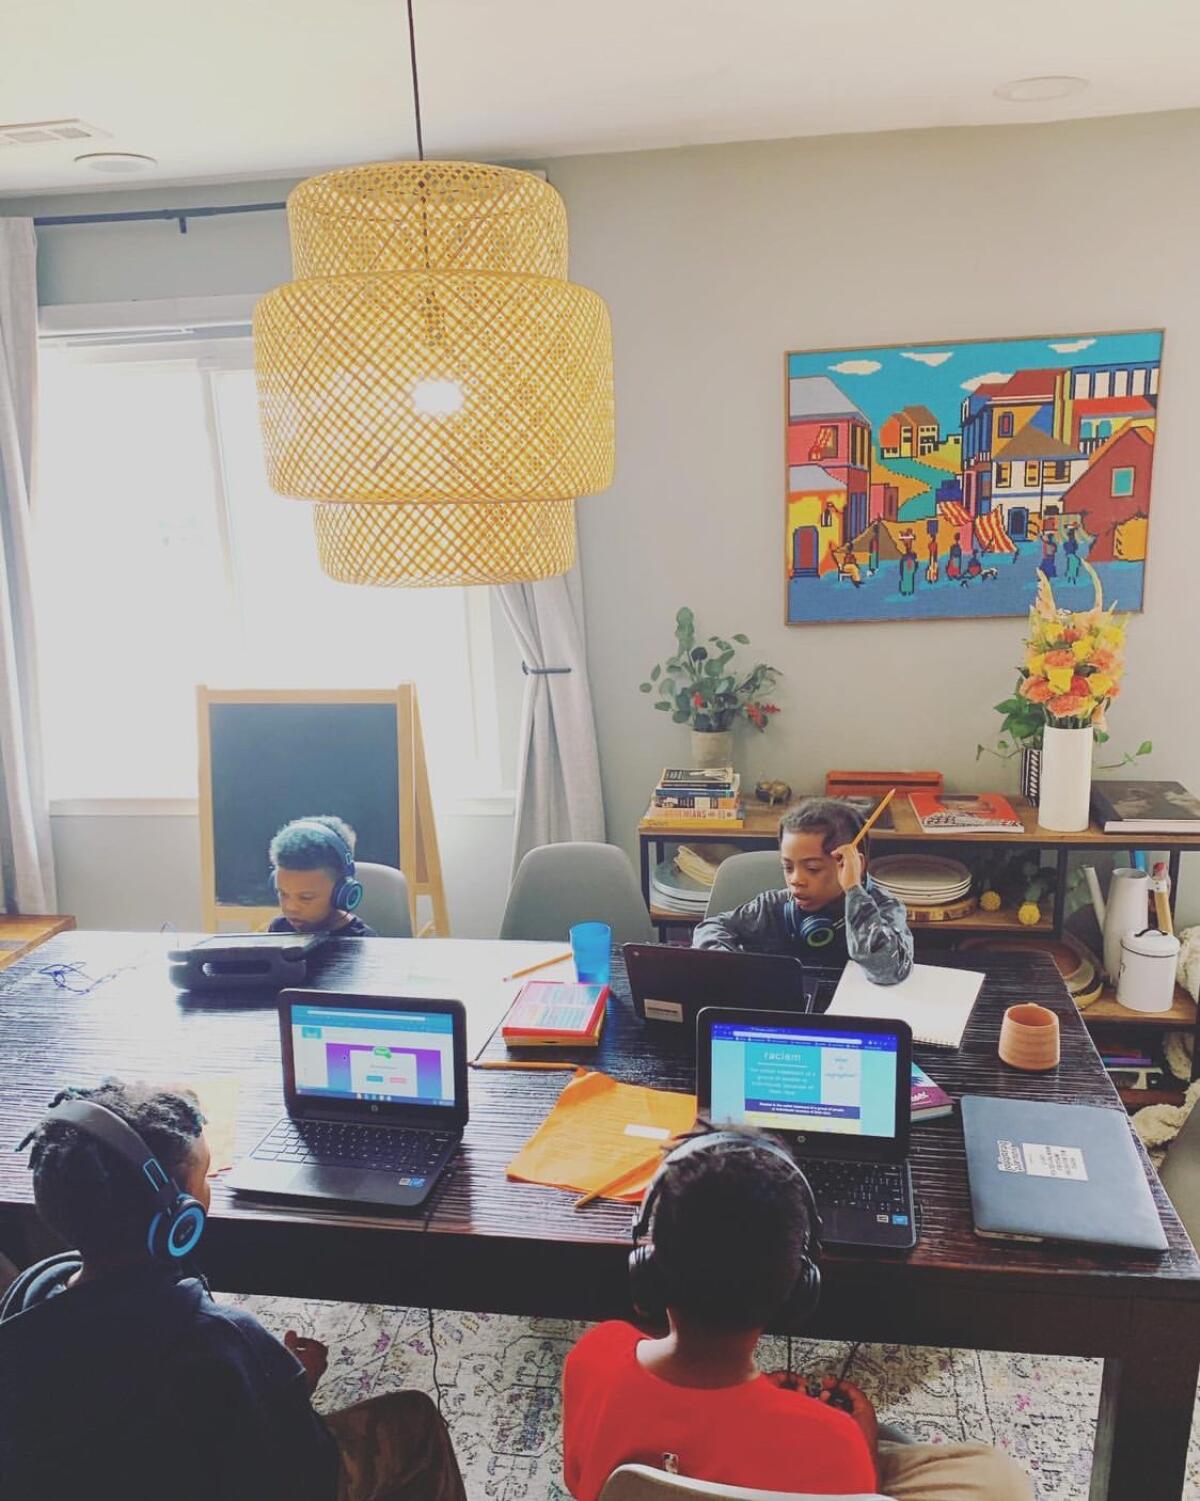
(1058, 416)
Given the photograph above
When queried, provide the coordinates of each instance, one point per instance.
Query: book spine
(694, 815)
(696, 800)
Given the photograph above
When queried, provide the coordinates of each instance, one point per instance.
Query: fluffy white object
(1158, 1125)
(1188, 970)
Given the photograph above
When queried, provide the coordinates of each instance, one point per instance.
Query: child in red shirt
(733, 1245)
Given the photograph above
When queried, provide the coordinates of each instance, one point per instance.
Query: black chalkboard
(272, 762)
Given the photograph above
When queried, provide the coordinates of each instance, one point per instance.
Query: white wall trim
(494, 805)
(177, 314)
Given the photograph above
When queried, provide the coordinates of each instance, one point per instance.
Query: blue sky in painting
(900, 381)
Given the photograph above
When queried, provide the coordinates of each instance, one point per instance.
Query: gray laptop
(1041, 1171)
(376, 1093)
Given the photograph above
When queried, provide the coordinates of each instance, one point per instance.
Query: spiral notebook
(935, 1002)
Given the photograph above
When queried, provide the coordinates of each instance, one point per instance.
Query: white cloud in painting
(1073, 347)
(857, 367)
(992, 378)
(927, 357)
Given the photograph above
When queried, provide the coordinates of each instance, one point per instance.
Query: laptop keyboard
(388, 1149)
(879, 1188)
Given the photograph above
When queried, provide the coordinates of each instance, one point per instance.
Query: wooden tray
(918, 916)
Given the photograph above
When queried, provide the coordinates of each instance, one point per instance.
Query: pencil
(607, 1188)
(866, 828)
(541, 964)
(517, 1063)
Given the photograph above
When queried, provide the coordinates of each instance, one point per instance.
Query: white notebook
(935, 1002)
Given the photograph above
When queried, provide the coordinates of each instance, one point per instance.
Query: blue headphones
(649, 1284)
(813, 929)
(178, 1220)
(347, 891)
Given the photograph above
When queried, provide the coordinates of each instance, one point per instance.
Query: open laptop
(670, 983)
(836, 1091)
(376, 1093)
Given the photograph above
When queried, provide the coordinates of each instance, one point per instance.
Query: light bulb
(437, 398)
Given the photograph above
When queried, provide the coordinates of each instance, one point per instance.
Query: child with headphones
(728, 1240)
(830, 910)
(312, 873)
(120, 1375)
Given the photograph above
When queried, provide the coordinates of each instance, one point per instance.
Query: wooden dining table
(89, 1005)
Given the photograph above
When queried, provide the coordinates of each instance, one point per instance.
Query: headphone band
(331, 836)
(105, 1125)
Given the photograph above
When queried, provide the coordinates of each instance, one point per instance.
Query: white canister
(1147, 978)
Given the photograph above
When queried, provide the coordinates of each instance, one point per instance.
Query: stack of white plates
(672, 891)
(922, 880)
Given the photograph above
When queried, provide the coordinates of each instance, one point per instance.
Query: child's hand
(312, 1355)
(788, 1380)
(861, 1408)
(850, 866)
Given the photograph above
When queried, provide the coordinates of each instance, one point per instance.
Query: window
(825, 445)
(1031, 475)
(1122, 482)
(1003, 476)
(1057, 471)
(163, 561)
(1004, 425)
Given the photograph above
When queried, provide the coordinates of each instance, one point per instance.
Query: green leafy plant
(700, 685)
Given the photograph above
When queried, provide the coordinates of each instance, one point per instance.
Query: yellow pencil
(607, 1188)
(516, 1063)
(866, 828)
(541, 964)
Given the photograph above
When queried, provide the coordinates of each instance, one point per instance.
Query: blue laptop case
(1041, 1171)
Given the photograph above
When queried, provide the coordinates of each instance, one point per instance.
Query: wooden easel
(418, 844)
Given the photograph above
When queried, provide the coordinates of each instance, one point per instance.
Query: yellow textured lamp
(431, 378)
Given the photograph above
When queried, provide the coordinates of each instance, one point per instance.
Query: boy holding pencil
(829, 910)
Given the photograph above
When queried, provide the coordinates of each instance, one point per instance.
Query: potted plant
(700, 685)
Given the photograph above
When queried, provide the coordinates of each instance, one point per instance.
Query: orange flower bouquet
(1074, 661)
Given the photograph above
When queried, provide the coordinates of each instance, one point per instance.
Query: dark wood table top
(134, 1025)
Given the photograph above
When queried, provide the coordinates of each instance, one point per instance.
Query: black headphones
(178, 1220)
(647, 1282)
(347, 891)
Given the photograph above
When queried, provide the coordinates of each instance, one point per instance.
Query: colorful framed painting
(939, 481)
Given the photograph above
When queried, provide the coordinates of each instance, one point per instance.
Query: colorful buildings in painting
(825, 428)
(1112, 495)
(909, 434)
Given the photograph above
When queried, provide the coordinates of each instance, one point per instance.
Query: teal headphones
(178, 1220)
(347, 890)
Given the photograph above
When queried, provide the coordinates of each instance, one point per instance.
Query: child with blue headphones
(312, 874)
(829, 910)
(121, 1375)
(727, 1241)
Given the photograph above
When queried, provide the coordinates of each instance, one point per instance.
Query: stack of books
(1138, 807)
(556, 1014)
(691, 798)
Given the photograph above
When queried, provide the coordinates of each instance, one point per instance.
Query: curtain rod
(180, 215)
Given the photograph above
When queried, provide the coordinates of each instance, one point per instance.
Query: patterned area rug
(500, 1379)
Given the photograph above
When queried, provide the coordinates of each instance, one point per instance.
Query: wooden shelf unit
(20, 934)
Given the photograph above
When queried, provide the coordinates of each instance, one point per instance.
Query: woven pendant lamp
(431, 378)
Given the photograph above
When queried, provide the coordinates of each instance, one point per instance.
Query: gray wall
(714, 261)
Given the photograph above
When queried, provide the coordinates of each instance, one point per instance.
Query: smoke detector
(117, 163)
(49, 132)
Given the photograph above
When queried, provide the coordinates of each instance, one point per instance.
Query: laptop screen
(804, 1079)
(400, 1057)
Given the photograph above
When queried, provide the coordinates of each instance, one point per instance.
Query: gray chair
(642, 1483)
(1180, 1175)
(384, 906)
(559, 885)
(740, 878)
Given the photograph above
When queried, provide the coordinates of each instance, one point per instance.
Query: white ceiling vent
(48, 132)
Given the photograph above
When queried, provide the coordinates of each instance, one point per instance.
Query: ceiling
(253, 88)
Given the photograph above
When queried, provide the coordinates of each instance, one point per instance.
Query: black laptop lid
(389, 1060)
(829, 1086)
(670, 983)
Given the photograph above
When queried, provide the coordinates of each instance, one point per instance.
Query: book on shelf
(697, 779)
(965, 813)
(724, 798)
(1139, 807)
(556, 1013)
(690, 820)
(928, 1100)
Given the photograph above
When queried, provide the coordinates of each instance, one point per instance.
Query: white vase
(712, 748)
(1065, 778)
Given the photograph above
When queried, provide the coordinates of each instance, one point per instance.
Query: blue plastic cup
(591, 944)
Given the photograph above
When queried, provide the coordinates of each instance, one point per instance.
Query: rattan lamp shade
(431, 357)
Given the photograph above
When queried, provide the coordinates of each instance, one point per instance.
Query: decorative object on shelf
(431, 378)
(1016, 877)
(1127, 909)
(1147, 977)
(932, 887)
(1030, 779)
(941, 481)
(700, 686)
(772, 793)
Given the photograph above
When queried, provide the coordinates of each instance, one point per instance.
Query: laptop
(1042, 1171)
(835, 1090)
(673, 984)
(376, 1094)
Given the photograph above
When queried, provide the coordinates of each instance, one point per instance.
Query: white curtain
(558, 778)
(26, 861)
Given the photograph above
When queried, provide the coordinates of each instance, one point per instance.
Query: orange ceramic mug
(1029, 1037)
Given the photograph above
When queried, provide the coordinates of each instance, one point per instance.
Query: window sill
(495, 805)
